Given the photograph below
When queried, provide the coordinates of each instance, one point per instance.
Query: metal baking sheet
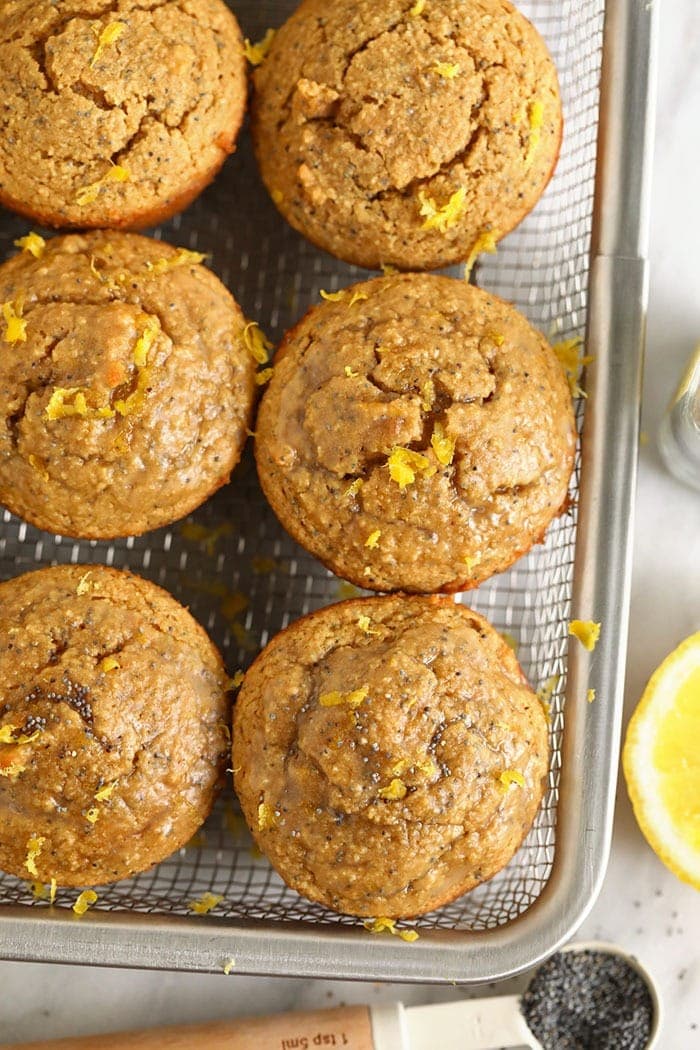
(244, 579)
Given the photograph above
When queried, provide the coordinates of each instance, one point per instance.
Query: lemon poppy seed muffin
(404, 133)
(115, 114)
(113, 725)
(418, 434)
(125, 389)
(388, 754)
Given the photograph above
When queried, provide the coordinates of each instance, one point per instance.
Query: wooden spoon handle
(348, 1028)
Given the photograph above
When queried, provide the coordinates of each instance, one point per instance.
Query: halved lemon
(661, 761)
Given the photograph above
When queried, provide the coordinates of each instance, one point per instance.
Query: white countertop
(643, 907)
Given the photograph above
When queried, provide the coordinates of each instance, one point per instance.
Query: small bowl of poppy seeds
(592, 996)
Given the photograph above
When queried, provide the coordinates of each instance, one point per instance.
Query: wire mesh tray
(245, 580)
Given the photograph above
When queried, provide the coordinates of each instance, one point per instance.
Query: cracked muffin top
(417, 434)
(125, 389)
(406, 133)
(388, 754)
(113, 725)
(115, 112)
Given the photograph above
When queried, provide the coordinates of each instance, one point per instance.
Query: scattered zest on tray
(206, 903)
(384, 925)
(86, 900)
(587, 633)
(228, 965)
(572, 359)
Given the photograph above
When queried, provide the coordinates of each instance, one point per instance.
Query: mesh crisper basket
(245, 580)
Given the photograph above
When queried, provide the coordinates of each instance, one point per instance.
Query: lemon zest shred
(535, 120)
(365, 625)
(546, 691)
(486, 242)
(352, 490)
(7, 735)
(417, 9)
(352, 699)
(33, 243)
(443, 446)
(182, 257)
(263, 377)
(228, 965)
(206, 903)
(512, 776)
(587, 633)
(34, 847)
(85, 901)
(256, 342)
(394, 791)
(109, 35)
(105, 793)
(590, 696)
(39, 890)
(257, 53)
(388, 270)
(385, 925)
(52, 891)
(266, 817)
(145, 341)
(15, 325)
(109, 664)
(38, 466)
(89, 194)
(13, 770)
(447, 70)
(404, 464)
(333, 297)
(427, 392)
(277, 196)
(372, 541)
(84, 585)
(572, 359)
(350, 373)
(495, 337)
(472, 560)
(237, 680)
(358, 297)
(444, 217)
(93, 814)
(367, 571)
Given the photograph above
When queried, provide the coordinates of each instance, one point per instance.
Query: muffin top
(115, 113)
(388, 754)
(417, 434)
(125, 389)
(113, 711)
(406, 133)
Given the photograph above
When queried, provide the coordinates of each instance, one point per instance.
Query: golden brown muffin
(113, 711)
(406, 133)
(115, 113)
(417, 434)
(388, 754)
(125, 389)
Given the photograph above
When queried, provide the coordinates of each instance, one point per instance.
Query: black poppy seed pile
(588, 1001)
